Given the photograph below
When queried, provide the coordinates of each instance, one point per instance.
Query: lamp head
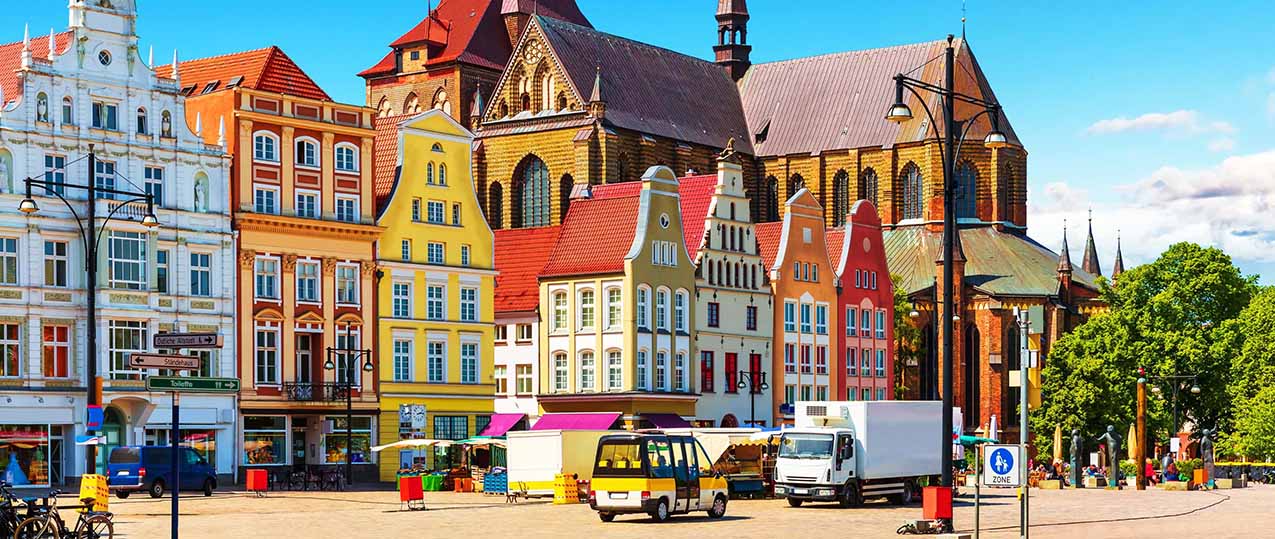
(28, 206)
(1155, 389)
(899, 112)
(996, 139)
(368, 366)
(328, 364)
(1195, 389)
(150, 221)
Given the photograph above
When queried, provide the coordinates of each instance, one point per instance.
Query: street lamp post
(1175, 383)
(900, 112)
(756, 383)
(346, 368)
(90, 234)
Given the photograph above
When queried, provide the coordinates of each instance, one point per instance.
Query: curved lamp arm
(97, 240)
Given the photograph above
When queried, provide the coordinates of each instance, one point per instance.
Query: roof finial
(962, 20)
(221, 131)
(176, 76)
(26, 45)
(53, 44)
(150, 57)
(199, 124)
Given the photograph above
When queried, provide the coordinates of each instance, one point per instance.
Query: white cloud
(1224, 144)
(1178, 121)
(1226, 205)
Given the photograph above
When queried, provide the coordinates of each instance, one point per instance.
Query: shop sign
(95, 417)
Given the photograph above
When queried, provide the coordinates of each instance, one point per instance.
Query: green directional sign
(185, 384)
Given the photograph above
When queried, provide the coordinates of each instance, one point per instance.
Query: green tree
(907, 338)
(1254, 435)
(1249, 337)
(1170, 317)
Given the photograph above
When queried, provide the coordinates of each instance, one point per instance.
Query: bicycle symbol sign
(1001, 466)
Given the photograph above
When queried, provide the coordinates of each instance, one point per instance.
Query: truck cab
(816, 464)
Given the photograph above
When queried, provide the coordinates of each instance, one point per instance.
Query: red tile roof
(470, 31)
(596, 236)
(649, 89)
(385, 158)
(11, 61)
(520, 255)
(267, 70)
(695, 193)
(768, 241)
(845, 96)
(832, 241)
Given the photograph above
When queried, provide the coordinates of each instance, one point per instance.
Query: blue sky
(1160, 116)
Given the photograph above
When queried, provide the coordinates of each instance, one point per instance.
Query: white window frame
(313, 204)
(470, 362)
(469, 308)
(352, 159)
(661, 370)
(352, 278)
(821, 319)
(56, 265)
(643, 307)
(308, 158)
(436, 253)
(201, 272)
(790, 316)
(9, 261)
(350, 215)
(271, 356)
(403, 370)
(435, 301)
(113, 258)
(615, 307)
(258, 205)
(436, 208)
(852, 321)
(642, 357)
(436, 361)
(679, 310)
(560, 374)
(405, 250)
(586, 309)
(401, 299)
(588, 371)
(558, 304)
(317, 281)
(679, 371)
(615, 370)
(259, 267)
(524, 373)
(880, 323)
(263, 152)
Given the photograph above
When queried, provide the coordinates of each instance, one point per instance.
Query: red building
(865, 301)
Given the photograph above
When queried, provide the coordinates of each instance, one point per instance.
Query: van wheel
(122, 494)
(718, 510)
(661, 512)
(157, 489)
(909, 493)
(208, 487)
(606, 517)
(794, 502)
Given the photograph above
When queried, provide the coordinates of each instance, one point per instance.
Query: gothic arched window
(868, 186)
(533, 193)
(913, 192)
(772, 199)
(496, 205)
(1005, 184)
(565, 185)
(840, 197)
(795, 183)
(412, 104)
(966, 191)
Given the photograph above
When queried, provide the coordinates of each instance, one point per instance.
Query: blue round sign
(1002, 461)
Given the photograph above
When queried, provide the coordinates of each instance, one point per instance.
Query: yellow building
(435, 288)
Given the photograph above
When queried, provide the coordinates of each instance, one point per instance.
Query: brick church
(556, 103)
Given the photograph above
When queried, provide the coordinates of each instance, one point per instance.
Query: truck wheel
(606, 517)
(661, 512)
(909, 493)
(157, 489)
(794, 502)
(123, 494)
(718, 509)
(850, 496)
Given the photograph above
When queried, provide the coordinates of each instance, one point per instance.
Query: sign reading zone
(1002, 465)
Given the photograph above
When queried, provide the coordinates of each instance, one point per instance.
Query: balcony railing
(311, 392)
(132, 211)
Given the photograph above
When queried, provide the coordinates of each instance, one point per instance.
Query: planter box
(1049, 484)
(1229, 483)
(1095, 482)
(1174, 485)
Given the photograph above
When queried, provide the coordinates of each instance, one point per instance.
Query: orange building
(804, 283)
(303, 206)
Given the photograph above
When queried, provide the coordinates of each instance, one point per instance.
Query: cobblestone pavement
(356, 515)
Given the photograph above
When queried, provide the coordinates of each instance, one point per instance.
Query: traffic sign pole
(175, 462)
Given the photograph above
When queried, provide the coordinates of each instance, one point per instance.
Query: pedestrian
(1171, 472)
(1150, 472)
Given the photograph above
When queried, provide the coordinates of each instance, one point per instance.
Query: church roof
(1090, 262)
(471, 31)
(998, 263)
(11, 61)
(268, 69)
(843, 97)
(520, 255)
(649, 89)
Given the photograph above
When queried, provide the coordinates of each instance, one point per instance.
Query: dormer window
(210, 87)
(235, 82)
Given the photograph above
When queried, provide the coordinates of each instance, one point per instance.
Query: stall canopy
(501, 423)
(667, 421)
(577, 421)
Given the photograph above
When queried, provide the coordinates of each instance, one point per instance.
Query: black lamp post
(350, 356)
(1176, 383)
(90, 234)
(947, 138)
(754, 382)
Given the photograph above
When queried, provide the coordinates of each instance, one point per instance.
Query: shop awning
(577, 421)
(667, 421)
(501, 423)
(415, 443)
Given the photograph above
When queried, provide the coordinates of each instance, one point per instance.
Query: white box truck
(535, 457)
(846, 452)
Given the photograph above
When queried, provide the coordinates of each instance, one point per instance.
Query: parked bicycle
(46, 522)
(9, 516)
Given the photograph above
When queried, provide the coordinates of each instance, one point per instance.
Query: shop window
(265, 440)
(335, 444)
(25, 451)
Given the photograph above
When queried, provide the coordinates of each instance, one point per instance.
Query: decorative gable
(534, 82)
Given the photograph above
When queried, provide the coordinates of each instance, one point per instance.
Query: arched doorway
(729, 421)
(112, 434)
(973, 360)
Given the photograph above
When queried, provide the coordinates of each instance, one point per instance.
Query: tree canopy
(1173, 316)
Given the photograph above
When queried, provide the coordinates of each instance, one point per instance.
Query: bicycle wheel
(37, 528)
(96, 527)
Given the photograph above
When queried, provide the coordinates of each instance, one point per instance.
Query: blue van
(145, 468)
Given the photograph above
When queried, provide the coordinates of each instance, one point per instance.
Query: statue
(1077, 449)
(1113, 455)
(1206, 454)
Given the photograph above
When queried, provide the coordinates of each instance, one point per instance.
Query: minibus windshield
(619, 458)
(806, 446)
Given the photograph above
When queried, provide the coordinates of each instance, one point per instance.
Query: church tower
(732, 37)
(1090, 262)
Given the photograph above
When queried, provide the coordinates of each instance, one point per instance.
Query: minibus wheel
(718, 509)
(661, 512)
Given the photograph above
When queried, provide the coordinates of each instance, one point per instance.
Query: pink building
(865, 303)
